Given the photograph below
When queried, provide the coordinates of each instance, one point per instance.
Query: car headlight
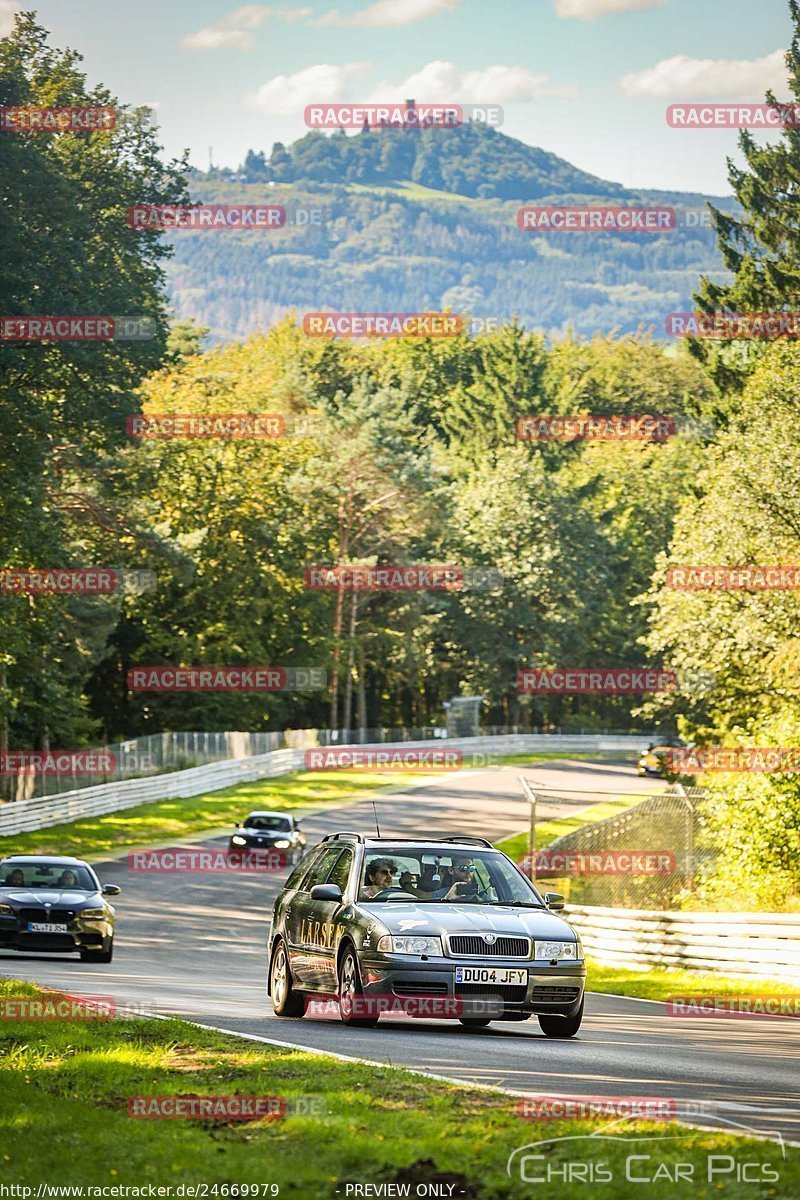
(6, 910)
(409, 945)
(92, 913)
(283, 844)
(557, 950)
(238, 841)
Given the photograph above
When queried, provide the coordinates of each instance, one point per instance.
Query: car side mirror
(554, 901)
(327, 891)
(111, 889)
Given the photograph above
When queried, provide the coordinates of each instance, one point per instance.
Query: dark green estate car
(444, 928)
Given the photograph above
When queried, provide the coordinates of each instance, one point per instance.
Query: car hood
(274, 834)
(439, 919)
(40, 896)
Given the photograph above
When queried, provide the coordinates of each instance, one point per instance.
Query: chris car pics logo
(617, 1152)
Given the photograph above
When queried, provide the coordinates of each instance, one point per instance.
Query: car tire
(560, 1027)
(350, 989)
(475, 1022)
(99, 956)
(286, 1002)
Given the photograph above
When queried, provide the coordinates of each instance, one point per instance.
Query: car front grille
(513, 992)
(470, 945)
(55, 916)
(563, 994)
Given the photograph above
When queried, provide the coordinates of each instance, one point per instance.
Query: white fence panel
(765, 945)
(23, 816)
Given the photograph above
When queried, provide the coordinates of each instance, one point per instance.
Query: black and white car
(388, 918)
(55, 905)
(269, 831)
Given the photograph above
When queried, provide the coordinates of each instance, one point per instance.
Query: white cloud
(231, 30)
(326, 83)
(589, 10)
(8, 9)
(444, 81)
(389, 13)
(287, 94)
(685, 78)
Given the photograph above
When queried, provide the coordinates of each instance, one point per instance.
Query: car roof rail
(466, 837)
(335, 837)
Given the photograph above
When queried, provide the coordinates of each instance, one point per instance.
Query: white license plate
(45, 927)
(491, 975)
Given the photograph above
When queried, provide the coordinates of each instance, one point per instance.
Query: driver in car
(459, 880)
(378, 876)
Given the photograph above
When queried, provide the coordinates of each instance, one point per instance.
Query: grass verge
(64, 1121)
(516, 846)
(658, 984)
(160, 820)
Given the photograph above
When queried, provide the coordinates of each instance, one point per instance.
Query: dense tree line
(408, 454)
(400, 250)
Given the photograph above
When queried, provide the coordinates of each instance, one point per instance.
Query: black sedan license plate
(46, 927)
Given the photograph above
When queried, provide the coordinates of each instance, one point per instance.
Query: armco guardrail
(22, 816)
(765, 945)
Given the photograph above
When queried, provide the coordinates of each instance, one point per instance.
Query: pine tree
(762, 246)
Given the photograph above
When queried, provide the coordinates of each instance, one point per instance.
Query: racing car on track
(364, 919)
(55, 905)
(269, 831)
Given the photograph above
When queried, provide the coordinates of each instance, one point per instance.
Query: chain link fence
(649, 856)
(161, 753)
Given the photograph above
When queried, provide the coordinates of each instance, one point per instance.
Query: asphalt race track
(193, 946)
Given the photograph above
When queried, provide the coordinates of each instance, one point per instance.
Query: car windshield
(47, 875)
(433, 876)
(281, 823)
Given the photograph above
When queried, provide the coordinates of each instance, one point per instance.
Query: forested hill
(470, 160)
(428, 219)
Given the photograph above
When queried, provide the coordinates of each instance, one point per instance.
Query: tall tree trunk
(348, 677)
(337, 637)
(361, 697)
(6, 785)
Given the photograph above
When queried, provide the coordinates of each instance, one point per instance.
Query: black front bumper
(557, 990)
(80, 935)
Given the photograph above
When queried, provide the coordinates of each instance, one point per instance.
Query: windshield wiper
(515, 903)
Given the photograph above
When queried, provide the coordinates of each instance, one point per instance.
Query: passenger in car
(378, 876)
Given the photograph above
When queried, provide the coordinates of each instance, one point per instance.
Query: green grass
(64, 1121)
(160, 820)
(516, 846)
(659, 984)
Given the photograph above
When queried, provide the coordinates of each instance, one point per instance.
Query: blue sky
(586, 79)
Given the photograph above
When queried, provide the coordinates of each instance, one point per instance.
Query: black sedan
(446, 928)
(55, 905)
(269, 831)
